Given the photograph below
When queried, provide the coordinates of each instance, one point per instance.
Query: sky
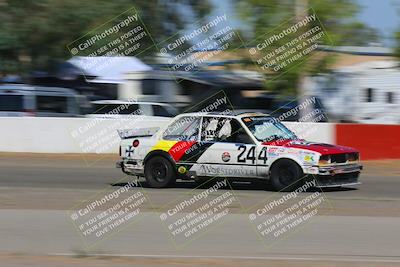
(382, 15)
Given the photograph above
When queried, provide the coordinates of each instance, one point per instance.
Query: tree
(359, 34)
(397, 45)
(34, 34)
(336, 16)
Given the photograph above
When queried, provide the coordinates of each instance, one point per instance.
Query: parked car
(284, 108)
(288, 110)
(17, 100)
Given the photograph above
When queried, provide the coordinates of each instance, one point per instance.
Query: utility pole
(301, 11)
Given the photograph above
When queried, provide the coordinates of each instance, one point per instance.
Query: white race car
(248, 145)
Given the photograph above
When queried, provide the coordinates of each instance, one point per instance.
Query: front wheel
(285, 175)
(159, 172)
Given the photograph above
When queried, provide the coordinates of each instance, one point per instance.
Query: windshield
(266, 129)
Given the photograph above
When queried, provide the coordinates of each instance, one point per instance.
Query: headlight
(324, 160)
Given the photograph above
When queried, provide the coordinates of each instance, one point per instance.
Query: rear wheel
(285, 175)
(159, 172)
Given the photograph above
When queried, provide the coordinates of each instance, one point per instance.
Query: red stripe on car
(179, 149)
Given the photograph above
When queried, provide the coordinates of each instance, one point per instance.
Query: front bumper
(339, 169)
(337, 175)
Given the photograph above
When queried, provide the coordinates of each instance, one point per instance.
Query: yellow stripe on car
(164, 145)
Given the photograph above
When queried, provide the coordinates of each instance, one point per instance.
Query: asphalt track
(37, 192)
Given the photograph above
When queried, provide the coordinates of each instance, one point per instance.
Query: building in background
(363, 86)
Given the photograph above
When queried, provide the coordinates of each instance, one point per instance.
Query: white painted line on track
(335, 258)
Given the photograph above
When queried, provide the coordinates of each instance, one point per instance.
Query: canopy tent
(107, 69)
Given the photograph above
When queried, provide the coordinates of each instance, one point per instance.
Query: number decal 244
(250, 156)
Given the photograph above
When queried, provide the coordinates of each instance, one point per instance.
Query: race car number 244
(250, 156)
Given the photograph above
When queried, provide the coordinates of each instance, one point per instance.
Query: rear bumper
(119, 164)
(132, 167)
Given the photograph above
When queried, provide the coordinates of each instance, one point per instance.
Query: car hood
(322, 148)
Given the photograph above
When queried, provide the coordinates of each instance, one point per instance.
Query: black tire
(285, 175)
(159, 172)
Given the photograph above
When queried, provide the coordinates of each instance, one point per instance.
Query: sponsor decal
(294, 151)
(309, 158)
(226, 156)
(230, 172)
(129, 151)
(182, 169)
(274, 151)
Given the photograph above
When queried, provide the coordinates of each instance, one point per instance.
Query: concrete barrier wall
(374, 141)
(84, 135)
(66, 135)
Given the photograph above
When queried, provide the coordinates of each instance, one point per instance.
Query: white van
(17, 100)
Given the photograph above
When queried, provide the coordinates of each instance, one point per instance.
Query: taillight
(135, 143)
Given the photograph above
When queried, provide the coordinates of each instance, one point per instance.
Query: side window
(239, 135)
(11, 103)
(224, 130)
(209, 132)
(389, 97)
(117, 109)
(101, 108)
(145, 109)
(369, 95)
(149, 87)
(131, 109)
(184, 129)
(54, 104)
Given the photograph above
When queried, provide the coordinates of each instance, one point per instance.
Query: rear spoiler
(137, 132)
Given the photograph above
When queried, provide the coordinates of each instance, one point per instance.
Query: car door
(229, 152)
